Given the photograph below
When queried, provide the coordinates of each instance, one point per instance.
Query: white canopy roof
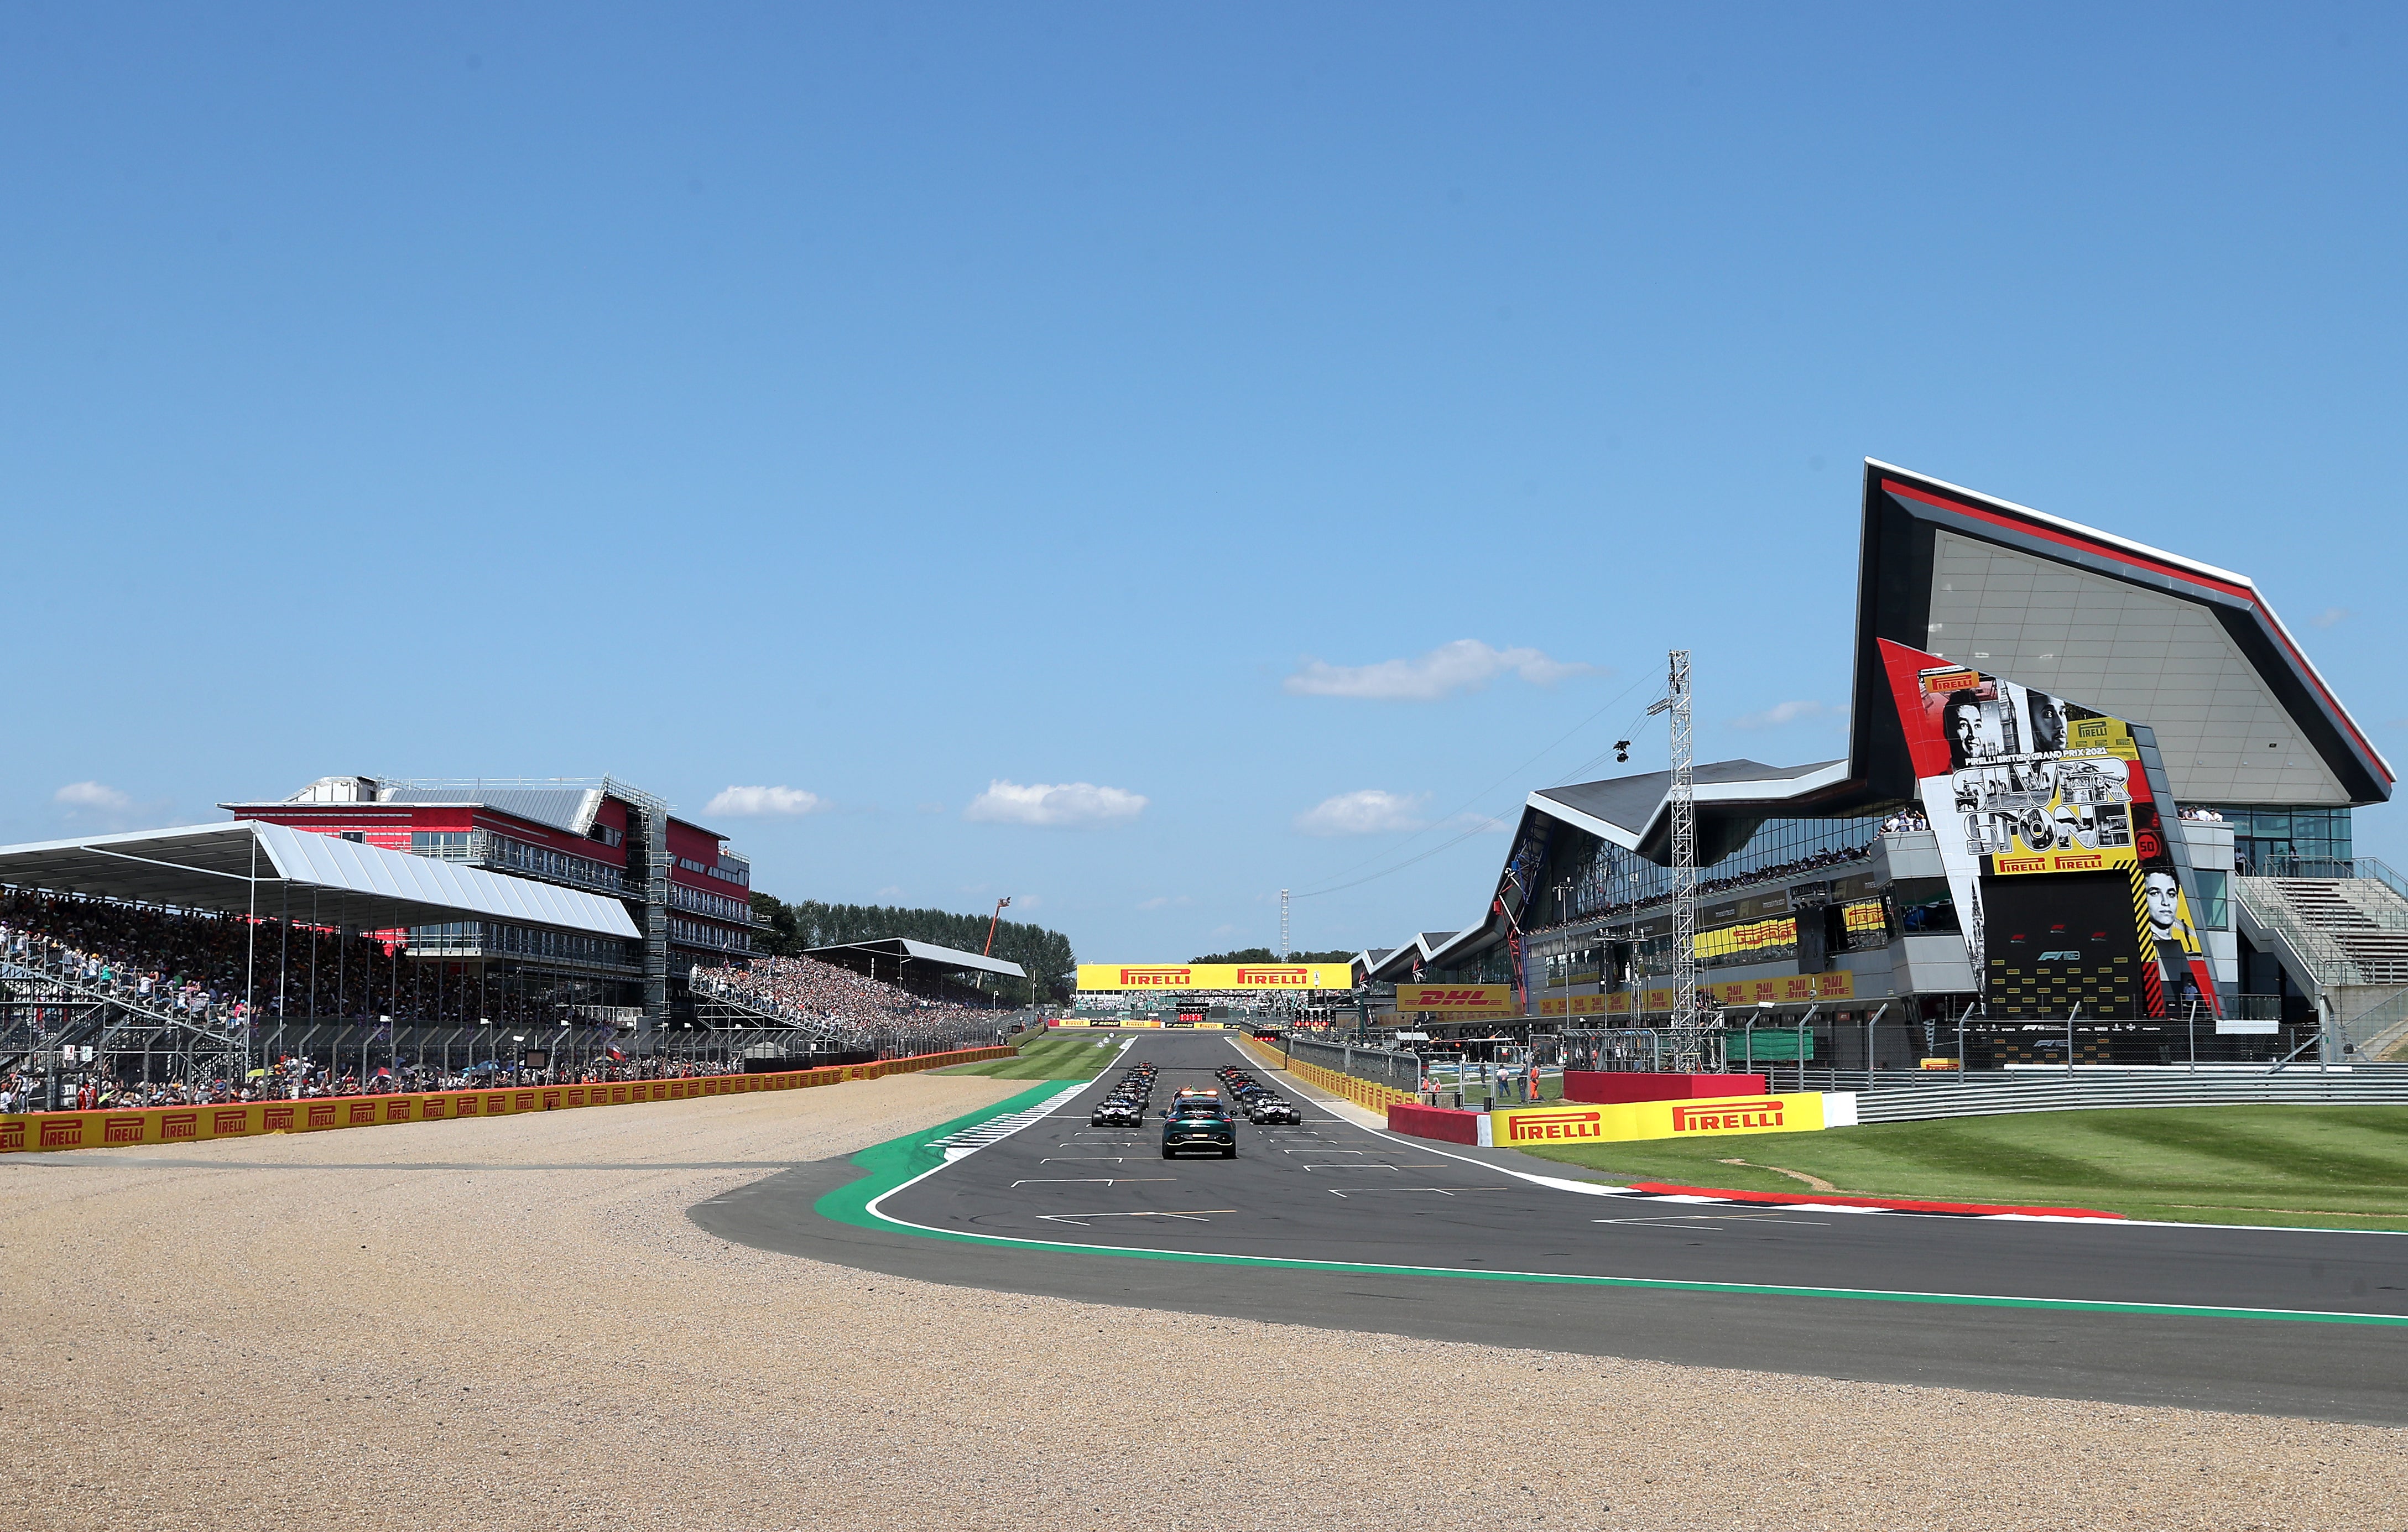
(274, 870)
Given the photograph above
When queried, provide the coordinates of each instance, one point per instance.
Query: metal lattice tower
(652, 812)
(1282, 926)
(1688, 1021)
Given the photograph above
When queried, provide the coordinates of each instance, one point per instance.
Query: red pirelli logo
(12, 1135)
(322, 1116)
(276, 1119)
(1299, 978)
(180, 1125)
(61, 1131)
(1723, 1116)
(1153, 978)
(120, 1130)
(231, 1121)
(1554, 1128)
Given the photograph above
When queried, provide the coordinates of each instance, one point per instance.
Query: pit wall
(1361, 1092)
(32, 1131)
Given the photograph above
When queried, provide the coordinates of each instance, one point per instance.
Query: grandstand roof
(901, 949)
(271, 869)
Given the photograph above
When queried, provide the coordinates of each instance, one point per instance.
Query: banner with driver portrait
(2057, 847)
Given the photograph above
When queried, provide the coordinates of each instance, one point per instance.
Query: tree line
(1264, 954)
(810, 923)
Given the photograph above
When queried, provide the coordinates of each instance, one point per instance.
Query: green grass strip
(890, 1165)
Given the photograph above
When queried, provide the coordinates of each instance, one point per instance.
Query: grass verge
(1047, 1056)
(2340, 1167)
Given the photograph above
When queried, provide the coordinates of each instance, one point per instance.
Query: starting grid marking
(970, 1140)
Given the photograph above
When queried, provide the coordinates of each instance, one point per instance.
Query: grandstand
(253, 958)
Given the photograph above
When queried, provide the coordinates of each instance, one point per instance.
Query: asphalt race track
(1331, 1190)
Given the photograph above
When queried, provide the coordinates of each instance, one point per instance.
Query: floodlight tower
(1282, 926)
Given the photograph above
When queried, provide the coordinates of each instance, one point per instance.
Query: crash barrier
(1914, 1097)
(1399, 1071)
(1443, 1123)
(1617, 1122)
(1617, 1085)
(53, 1130)
(1363, 1092)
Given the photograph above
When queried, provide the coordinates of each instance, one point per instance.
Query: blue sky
(1312, 421)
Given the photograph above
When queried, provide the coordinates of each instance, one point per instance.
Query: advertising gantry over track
(2096, 797)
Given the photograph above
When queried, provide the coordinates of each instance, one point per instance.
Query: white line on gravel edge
(1355, 1114)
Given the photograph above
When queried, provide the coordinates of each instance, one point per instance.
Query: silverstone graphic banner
(2056, 845)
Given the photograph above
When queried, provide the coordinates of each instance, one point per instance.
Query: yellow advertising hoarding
(1469, 1000)
(1792, 989)
(1603, 1122)
(1216, 976)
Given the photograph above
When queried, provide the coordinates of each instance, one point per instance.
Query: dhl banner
(1794, 989)
(37, 1131)
(1620, 1122)
(1466, 1000)
(1216, 976)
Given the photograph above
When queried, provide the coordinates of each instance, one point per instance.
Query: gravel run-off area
(513, 1322)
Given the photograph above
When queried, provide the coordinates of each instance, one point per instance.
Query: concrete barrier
(1443, 1123)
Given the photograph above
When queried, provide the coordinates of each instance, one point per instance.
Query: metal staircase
(2343, 940)
(43, 1014)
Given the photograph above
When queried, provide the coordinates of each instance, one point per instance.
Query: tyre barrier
(33, 1132)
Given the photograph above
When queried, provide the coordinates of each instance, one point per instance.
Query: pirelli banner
(1216, 976)
(53, 1130)
(1465, 1001)
(1613, 1123)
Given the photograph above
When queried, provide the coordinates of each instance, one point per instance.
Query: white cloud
(764, 803)
(2330, 617)
(1370, 811)
(1054, 804)
(99, 797)
(1466, 664)
(1784, 713)
(892, 891)
(1164, 901)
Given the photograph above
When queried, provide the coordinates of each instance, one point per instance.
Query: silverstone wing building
(2081, 773)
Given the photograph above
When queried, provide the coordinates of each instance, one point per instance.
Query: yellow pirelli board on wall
(1620, 1122)
(1216, 976)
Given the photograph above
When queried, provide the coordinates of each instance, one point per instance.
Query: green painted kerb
(889, 1165)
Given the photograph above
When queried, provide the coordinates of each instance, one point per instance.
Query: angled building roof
(2240, 713)
(247, 866)
(901, 949)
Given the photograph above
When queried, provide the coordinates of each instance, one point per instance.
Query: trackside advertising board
(1620, 1122)
(1216, 976)
(1463, 1000)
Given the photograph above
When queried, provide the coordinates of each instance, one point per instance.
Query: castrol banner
(1556, 1128)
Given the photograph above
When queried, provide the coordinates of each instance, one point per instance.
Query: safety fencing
(1914, 1097)
(1377, 1095)
(104, 1129)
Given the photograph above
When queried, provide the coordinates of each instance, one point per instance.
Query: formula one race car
(1199, 1128)
(1270, 1108)
(1116, 1113)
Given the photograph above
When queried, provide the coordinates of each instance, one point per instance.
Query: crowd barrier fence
(32, 1131)
(1363, 1092)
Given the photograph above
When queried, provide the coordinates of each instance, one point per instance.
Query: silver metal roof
(274, 870)
(902, 948)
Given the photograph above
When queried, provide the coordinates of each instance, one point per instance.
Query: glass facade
(1608, 879)
(2267, 841)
